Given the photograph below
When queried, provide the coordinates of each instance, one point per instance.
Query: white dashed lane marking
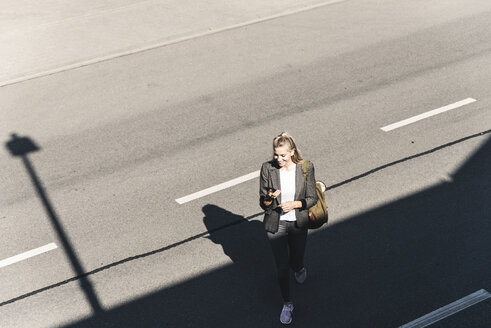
(449, 310)
(428, 114)
(219, 187)
(28, 254)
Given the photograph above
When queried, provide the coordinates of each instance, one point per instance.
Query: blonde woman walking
(285, 196)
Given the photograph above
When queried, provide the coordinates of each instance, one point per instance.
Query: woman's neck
(288, 167)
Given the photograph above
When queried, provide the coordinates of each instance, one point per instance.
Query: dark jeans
(288, 246)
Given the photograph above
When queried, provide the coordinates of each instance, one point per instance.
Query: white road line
(428, 114)
(219, 187)
(26, 255)
(165, 43)
(449, 310)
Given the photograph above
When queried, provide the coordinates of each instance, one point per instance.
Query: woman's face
(283, 155)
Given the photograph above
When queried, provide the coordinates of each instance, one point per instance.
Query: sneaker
(301, 275)
(286, 313)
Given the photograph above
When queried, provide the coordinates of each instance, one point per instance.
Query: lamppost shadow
(21, 147)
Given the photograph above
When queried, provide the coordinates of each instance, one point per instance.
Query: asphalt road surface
(98, 145)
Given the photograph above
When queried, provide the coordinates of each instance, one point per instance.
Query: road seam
(164, 44)
(407, 159)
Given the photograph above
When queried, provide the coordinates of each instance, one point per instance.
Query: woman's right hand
(274, 194)
(270, 196)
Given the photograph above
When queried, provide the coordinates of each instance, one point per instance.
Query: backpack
(318, 213)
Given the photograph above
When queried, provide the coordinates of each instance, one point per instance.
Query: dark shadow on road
(241, 244)
(228, 297)
(383, 268)
(21, 147)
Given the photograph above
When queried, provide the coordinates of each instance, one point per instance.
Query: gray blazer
(305, 192)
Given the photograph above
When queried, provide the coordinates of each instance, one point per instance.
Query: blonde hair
(286, 139)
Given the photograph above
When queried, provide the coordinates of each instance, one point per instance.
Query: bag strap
(305, 167)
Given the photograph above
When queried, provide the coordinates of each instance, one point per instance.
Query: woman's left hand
(288, 206)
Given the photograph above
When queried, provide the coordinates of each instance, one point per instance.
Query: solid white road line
(428, 114)
(449, 310)
(219, 187)
(165, 43)
(26, 255)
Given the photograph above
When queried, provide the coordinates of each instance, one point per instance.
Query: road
(106, 139)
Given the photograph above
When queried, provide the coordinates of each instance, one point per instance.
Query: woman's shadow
(244, 241)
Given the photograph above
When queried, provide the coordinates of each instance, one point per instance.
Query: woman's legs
(297, 240)
(279, 245)
(288, 246)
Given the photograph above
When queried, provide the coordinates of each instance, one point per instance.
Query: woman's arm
(265, 197)
(310, 188)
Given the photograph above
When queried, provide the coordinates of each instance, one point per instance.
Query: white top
(287, 180)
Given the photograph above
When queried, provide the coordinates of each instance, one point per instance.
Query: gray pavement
(121, 139)
(41, 39)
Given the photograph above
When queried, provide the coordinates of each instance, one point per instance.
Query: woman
(285, 196)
